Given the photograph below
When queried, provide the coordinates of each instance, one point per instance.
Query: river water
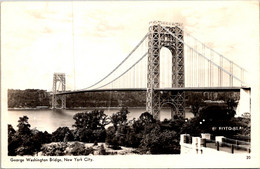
(50, 120)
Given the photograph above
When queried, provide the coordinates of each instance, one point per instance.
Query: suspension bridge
(165, 63)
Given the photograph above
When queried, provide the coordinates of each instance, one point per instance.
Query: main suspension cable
(124, 71)
(119, 64)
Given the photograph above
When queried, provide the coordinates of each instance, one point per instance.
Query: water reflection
(60, 112)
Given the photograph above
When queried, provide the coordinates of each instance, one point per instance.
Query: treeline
(137, 99)
(106, 99)
(29, 98)
(147, 135)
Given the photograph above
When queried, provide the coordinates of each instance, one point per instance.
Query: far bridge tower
(61, 87)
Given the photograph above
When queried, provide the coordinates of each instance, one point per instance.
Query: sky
(37, 37)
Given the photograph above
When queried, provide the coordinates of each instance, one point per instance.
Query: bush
(79, 149)
(244, 124)
(60, 134)
(102, 150)
(84, 135)
(111, 138)
(161, 142)
(99, 135)
(194, 128)
(57, 149)
(133, 139)
(173, 125)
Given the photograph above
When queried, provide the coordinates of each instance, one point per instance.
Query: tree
(195, 101)
(230, 107)
(231, 104)
(24, 126)
(60, 133)
(93, 120)
(11, 130)
(144, 123)
(23, 136)
(90, 126)
(194, 127)
(215, 113)
(23, 142)
(173, 124)
(13, 142)
(146, 118)
(119, 118)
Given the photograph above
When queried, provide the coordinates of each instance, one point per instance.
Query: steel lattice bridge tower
(192, 66)
(58, 78)
(158, 38)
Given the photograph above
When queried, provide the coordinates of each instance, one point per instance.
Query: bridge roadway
(195, 89)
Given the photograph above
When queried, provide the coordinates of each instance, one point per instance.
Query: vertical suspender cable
(211, 69)
(220, 72)
(231, 71)
(203, 66)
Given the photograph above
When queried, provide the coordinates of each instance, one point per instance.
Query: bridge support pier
(56, 99)
(176, 100)
(245, 101)
(179, 104)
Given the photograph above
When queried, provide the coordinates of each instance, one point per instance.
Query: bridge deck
(216, 89)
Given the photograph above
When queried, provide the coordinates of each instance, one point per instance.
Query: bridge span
(194, 89)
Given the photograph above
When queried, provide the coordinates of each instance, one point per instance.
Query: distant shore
(14, 109)
(76, 108)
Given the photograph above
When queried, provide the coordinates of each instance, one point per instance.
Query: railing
(242, 138)
(224, 144)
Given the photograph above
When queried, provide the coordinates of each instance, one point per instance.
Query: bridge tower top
(59, 74)
(59, 77)
(172, 24)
